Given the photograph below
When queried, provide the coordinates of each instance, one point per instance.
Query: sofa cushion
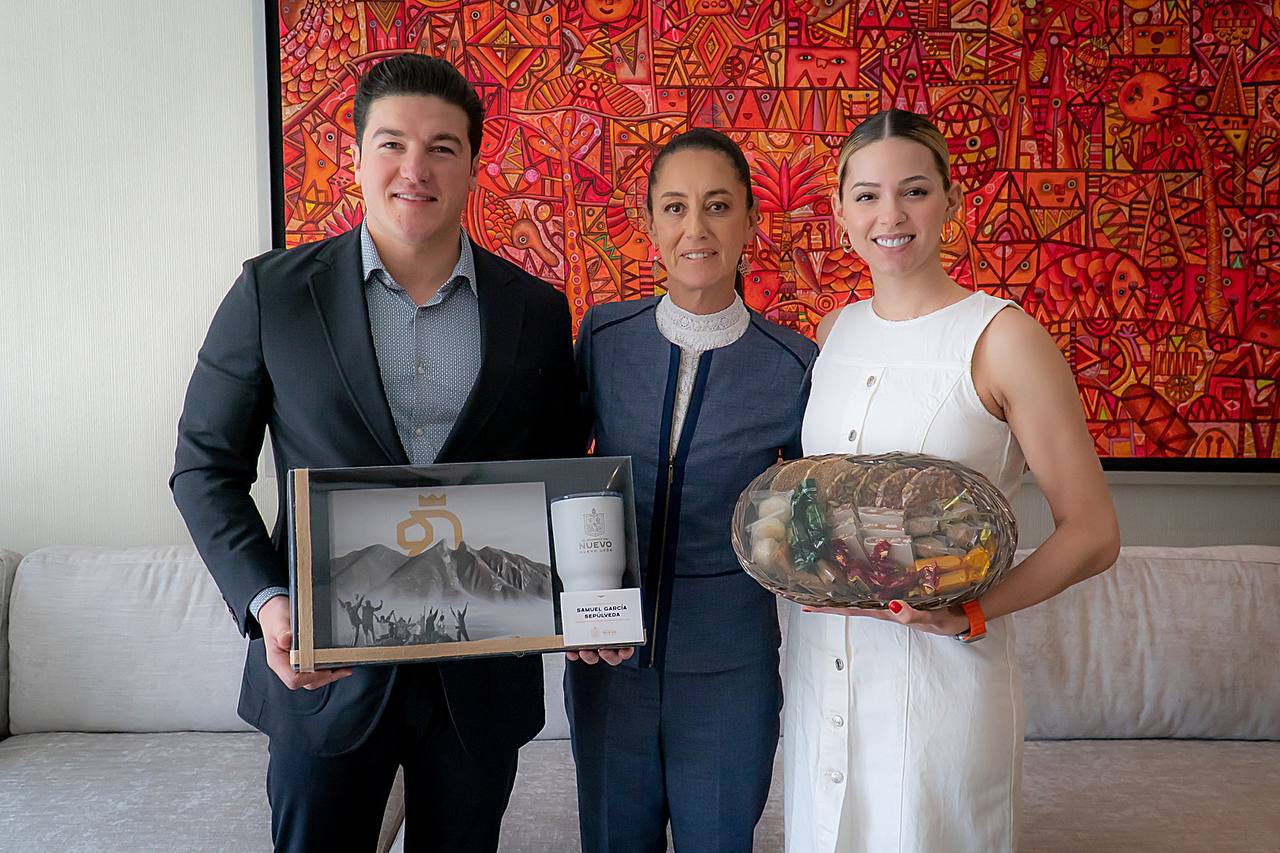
(1135, 796)
(8, 566)
(125, 640)
(1171, 642)
(543, 812)
(173, 791)
(1150, 796)
(76, 791)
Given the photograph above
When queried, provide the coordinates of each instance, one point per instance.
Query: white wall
(135, 181)
(135, 173)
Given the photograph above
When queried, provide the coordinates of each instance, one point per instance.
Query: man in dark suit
(399, 342)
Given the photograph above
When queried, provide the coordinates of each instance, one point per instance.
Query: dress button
(418, 431)
(871, 380)
(853, 435)
(839, 665)
(837, 721)
(835, 776)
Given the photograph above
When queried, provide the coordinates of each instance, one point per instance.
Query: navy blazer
(290, 351)
(702, 611)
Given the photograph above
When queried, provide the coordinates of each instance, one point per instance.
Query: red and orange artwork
(1120, 161)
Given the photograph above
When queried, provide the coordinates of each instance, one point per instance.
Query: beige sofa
(1153, 707)
(120, 729)
(1153, 697)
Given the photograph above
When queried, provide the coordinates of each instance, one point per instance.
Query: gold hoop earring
(950, 231)
(846, 242)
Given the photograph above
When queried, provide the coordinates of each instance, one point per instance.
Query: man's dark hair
(702, 139)
(415, 74)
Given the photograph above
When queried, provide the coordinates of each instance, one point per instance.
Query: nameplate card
(602, 618)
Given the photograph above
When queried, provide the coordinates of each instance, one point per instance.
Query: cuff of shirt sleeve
(265, 596)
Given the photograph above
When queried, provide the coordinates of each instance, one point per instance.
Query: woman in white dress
(899, 737)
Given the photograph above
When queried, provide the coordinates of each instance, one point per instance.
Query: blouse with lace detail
(694, 334)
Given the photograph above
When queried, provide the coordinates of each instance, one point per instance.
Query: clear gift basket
(860, 531)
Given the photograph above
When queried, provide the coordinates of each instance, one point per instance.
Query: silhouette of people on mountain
(353, 615)
(460, 618)
(374, 628)
(367, 612)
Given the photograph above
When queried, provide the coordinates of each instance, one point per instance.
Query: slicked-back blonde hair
(897, 124)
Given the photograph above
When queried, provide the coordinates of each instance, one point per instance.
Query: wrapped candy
(808, 535)
(880, 515)
(772, 504)
(921, 525)
(765, 551)
(861, 531)
(771, 527)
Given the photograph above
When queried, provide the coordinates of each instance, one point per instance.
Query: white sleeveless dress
(895, 739)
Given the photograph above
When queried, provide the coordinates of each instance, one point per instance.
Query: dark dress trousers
(290, 351)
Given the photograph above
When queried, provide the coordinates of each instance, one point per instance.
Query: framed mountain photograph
(399, 564)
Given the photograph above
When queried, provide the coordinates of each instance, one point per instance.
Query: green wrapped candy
(808, 533)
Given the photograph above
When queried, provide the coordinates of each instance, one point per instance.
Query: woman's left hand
(947, 621)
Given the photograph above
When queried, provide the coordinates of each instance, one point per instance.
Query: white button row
(853, 433)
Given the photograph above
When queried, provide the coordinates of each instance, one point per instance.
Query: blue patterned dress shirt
(429, 356)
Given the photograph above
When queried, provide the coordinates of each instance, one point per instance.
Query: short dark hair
(702, 139)
(416, 74)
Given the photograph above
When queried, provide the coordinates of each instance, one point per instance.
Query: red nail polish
(895, 606)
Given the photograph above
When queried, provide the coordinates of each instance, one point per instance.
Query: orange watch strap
(977, 620)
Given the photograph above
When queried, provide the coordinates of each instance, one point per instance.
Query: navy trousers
(454, 801)
(691, 749)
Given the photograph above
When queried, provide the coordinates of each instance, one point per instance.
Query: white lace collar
(702, 332)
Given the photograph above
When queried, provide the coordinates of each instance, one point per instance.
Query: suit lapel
(337, 288)
(501, 320)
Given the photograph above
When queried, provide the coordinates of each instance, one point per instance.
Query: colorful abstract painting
(1121, 162)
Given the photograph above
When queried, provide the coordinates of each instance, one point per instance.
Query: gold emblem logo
(430, 506)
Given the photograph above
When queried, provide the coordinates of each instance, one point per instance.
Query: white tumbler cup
(590, 543)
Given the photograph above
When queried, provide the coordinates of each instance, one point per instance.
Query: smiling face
(699, 219)
(893, 205)
(822, 67)
(609, 11)
(415, 169)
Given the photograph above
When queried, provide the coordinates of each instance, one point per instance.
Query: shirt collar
(371, 261)
(702, 332)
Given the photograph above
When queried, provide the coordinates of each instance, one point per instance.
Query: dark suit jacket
(290, 349)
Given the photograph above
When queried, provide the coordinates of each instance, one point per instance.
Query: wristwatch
(977, 623)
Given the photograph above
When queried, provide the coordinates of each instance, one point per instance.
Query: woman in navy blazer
(703, 395)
